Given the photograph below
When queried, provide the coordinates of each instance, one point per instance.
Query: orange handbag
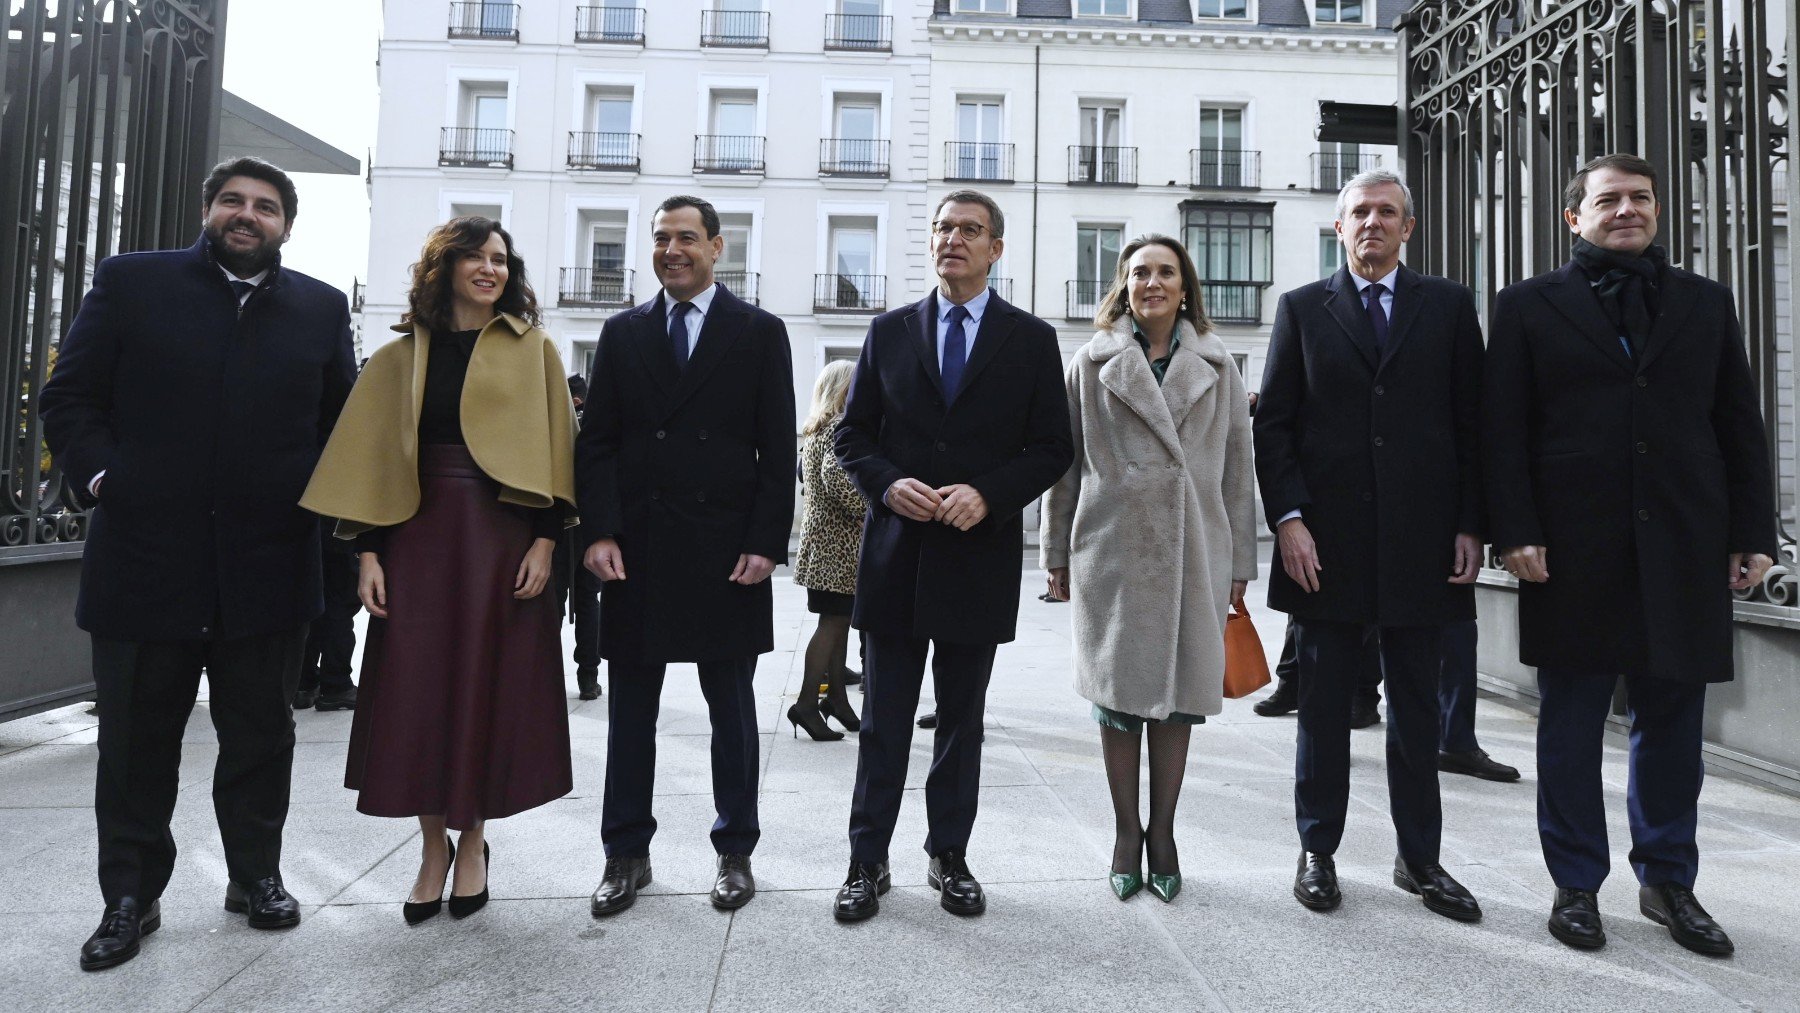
(1246, 667)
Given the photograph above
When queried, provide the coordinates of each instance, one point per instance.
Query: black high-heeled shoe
(463, 907)
(809, 719)
(846, 717)
(418, 912)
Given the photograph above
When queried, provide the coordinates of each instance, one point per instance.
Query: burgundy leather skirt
(461, 710)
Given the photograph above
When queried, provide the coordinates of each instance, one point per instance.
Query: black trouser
(1456, 681)
(331, 639)
(626, 822)
(145, 692)
(892, 677)
(1330, 655)
(585, 604)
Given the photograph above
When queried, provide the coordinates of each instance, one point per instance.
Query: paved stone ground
(1053, 938)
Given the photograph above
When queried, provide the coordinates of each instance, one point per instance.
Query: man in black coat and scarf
(1628, 487)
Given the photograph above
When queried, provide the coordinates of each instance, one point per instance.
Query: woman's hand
(534, 569)
(371, 584)
(1238, 587)
(1059, 583)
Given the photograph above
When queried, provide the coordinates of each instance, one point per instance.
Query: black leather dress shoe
(587, 681)
(619, 885)
(305, 698)
(343, 701)
(1365, 714)
(958, 892)
(735, 886)
(266, 902)
(852, 677)
(859, 897)
(1674, 906)
(1476, 763)
(1315, 882)
(1439, 892)
(1285, 700)
(1575, 919)
(116, 940)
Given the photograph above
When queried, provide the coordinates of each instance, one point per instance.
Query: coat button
(702, 497)
(656, 494)
(1379, 390)
(1643, 515)
(206, 629)
(1641, 382)
(660, 434)
(1378, 441)
(942, 446)
(703, 434)
(1643, 448)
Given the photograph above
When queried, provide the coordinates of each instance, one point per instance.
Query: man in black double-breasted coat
(1628, 488)
(685, 475)
(1366, 455)
(956, 420)
(191, 398)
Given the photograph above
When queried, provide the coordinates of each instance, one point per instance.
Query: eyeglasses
(970, 231)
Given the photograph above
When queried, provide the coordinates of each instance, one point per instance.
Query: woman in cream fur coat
(1151, 535)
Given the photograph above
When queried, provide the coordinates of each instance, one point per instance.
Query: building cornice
(1198, 36)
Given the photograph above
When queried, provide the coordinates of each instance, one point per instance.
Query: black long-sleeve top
(440, 422)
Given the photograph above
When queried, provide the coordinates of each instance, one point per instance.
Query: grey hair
(1374, 177)
(996, 220)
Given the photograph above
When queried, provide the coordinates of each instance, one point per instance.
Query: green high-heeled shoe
(1125, 885)
(1165, 887)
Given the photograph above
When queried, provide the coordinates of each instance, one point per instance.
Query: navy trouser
(893, 673)
(1456, 682)
(1330, 658)
(1663, 793)
(626, 821)
(331, 639)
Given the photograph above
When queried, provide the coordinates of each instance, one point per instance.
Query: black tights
(825, 660)
(1168, 762)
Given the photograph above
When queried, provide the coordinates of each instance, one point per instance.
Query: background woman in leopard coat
(830, 530)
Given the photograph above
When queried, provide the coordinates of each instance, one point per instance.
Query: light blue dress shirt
(976, 307)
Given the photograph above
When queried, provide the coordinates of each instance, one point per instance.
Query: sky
(312, 63)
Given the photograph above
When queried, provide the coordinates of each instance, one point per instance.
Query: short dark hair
(255, 168)
(709, 216)
(996, 220)
(578, 386)
(1576, 191)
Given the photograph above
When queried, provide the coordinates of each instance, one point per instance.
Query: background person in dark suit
(1365, 450)
(956, 421)
(331, 639)
(192, 395)
(1628, 485)
(685, 478)
(579, 587)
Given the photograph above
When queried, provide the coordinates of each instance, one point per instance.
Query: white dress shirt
(976, 307)
(695, 317)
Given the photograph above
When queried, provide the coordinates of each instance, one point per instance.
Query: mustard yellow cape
(517, 420)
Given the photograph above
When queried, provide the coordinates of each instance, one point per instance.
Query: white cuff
(1290, 515)
(94, 483)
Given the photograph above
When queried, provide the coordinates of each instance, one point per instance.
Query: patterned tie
(678, 334)
(956, 352)
(242, 290)
(1378, 317)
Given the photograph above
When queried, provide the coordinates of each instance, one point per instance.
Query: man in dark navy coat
(1366, 455)
(1628, 486)
(956, 420)
(191, 398)
(685, 476)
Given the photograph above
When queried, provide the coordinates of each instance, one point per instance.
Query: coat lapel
(1409, 300)
(1677, 300)
(921, 326)
(722, 327)
(997, 323)
(1126, 373)
(1570, 293)
(1345, 306)
(1192, 372)
(652, 341)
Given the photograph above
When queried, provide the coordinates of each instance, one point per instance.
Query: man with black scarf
(1628, 488)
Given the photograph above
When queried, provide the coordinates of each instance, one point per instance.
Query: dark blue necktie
(678, 333)
(1378, 318)
(956, 352)
(242, 290)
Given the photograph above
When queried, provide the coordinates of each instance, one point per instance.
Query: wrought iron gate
(1503, 99)
(109, 114)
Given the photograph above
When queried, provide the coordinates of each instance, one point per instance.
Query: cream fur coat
(1154, 521)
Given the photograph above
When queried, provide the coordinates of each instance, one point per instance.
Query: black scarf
(1627, 286)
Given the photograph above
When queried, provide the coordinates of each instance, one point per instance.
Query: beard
(246, 263)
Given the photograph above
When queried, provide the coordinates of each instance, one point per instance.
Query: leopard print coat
(831, 524)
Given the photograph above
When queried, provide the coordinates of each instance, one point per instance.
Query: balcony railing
(609, 151)
(978, 162)
(1331, 170)
(859, 33)
(853, 157)
(1232, 302)
(617, 25)
(849, 293)
(482, 20)
(1102, 166)
(745, 285)
(595, 286)
(735, 29)
(1224, 169)
(1002, 287)
(1084, 298)
(728, 153)
(477, 146)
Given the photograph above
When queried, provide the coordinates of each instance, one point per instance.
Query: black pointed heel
(846, 716)
(463, 907)
(809, 719)
(416, 913)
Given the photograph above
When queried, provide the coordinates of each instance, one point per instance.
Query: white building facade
(823, 131)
